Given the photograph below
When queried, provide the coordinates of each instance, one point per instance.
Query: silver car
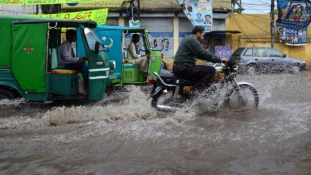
(264, 59)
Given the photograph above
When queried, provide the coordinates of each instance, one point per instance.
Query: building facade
(256, 33)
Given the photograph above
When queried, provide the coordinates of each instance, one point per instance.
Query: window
(274, 53)
(248, 52)
(238, 52)
(260, 52)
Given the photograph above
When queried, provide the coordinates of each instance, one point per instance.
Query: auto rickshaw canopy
(52, 21)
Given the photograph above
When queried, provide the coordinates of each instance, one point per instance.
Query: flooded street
(129, 137)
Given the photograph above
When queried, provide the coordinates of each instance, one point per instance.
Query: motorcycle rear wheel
(167, 102)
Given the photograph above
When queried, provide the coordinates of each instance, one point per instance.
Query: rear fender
(8, 85)
(157, 90)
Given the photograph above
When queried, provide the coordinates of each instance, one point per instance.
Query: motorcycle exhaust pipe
(167, 108)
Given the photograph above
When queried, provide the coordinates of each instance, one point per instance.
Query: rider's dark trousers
(200, 74)
(82, 67)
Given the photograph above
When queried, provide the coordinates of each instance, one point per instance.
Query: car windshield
(91, 39)
(238, 52)
(152, 41)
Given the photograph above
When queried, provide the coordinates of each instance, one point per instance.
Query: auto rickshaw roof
(129, 29)
(52, 21)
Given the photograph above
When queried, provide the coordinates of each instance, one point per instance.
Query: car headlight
(303, 62)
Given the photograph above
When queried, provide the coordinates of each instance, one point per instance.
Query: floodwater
(128, 137)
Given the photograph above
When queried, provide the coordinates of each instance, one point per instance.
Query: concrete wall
(256, 32)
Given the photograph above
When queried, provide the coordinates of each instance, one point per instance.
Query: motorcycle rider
(184, 63)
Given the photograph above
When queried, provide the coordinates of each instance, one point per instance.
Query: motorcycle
(172, 93)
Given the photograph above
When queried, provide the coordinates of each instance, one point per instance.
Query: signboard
(99, 16)
(38, 2)
(133, 23)
(293, 19)
(223, 51)
(199, 12)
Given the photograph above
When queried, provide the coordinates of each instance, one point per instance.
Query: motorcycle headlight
(112, 65)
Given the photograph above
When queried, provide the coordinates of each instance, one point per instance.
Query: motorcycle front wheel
(244, 96)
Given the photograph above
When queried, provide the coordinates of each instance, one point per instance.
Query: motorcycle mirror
(97, 47)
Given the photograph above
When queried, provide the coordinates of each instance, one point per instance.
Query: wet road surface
(129, 137)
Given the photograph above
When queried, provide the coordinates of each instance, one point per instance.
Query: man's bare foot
(145, 74)
(86, 91)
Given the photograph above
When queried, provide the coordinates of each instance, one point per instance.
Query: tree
(238, 3)
(238, 10)
(275, 12)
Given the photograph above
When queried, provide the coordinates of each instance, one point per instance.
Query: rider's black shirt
(190, 48)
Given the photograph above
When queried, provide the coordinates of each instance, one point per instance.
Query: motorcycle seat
(170, 78)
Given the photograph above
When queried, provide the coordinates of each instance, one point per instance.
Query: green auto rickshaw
(28, 60)
(116, 40)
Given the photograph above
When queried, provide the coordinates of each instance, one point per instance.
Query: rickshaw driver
(184, 63)
(133, 55)
(68, 60)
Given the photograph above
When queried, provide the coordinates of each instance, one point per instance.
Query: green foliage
(238, 10)
(275, 12)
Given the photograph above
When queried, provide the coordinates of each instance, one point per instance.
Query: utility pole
(272, 23)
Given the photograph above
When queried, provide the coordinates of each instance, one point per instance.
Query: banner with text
(38, 2)
(293, 19)
(199, 12)
(99, 16)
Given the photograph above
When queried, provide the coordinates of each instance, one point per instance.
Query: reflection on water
(127, 136)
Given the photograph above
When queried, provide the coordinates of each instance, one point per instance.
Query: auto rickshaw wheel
(6, 94)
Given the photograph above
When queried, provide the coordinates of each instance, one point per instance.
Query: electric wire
(243, 31)
(254, 17)
(254, 24)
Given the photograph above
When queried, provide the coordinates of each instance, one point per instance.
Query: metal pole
(272, 23)
(37, 9)
(132, 9)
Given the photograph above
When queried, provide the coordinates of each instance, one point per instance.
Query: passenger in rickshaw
(133, 55)
(68, 60)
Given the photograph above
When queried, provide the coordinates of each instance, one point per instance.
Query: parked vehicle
(171, 93)
(252, 60)
(116, 40)
(28, 60)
